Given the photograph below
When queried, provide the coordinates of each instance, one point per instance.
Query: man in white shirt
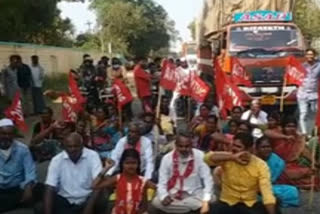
(37, 72)
(183, 76)
(185, 182)
(69, 179)
(257, 118)
(142, 144)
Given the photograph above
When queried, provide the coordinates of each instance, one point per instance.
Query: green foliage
(134, 27)
(192, 28)
(34, 21)
(88, 41)
(307, 17)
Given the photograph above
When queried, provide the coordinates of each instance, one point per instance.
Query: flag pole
(313, 163)
(158, 103)
(282, 93)
(158, 115)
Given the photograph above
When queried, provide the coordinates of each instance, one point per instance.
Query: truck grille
(266, 75)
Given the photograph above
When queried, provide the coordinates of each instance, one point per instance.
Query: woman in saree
(287, 195)
(290, 145)
(105, 134)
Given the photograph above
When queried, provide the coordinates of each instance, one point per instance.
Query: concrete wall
(53, 59)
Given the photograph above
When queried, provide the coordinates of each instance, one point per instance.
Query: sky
(181, 11)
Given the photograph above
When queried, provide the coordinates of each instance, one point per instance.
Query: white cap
(6, 122)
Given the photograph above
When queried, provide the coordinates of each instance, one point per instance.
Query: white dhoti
(189, 204)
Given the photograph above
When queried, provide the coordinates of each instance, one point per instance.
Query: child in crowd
(130, 187)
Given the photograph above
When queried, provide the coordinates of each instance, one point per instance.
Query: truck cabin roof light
(263, 16)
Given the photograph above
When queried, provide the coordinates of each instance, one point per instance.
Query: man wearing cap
(17, 170)
(257, 118)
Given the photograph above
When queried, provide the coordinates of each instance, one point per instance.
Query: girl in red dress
(130, 188)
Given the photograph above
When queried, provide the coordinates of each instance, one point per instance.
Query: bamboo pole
(282, 94)
(313, 177)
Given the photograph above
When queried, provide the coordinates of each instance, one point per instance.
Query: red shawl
(177, 176)
(129, 195)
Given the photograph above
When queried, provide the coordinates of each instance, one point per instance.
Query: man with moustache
(142, 144)
(185, 182)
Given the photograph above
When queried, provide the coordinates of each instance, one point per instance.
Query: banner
(168, 79)
(15, 113)
(122, 93)
(295, 72)
(239, 75)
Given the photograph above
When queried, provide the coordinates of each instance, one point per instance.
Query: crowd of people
(252, 163)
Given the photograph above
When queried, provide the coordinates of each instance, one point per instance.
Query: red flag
(143, 81)
(228, 94)
(122, 93)
(168, 76)
(69, 106)
(75, 93)
(198, 88)
(295, 72)
(183, 81)
(239, 75)
(14, 112)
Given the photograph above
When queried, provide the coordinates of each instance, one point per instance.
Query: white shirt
(199, 183)
(262, 119)
(37, 75)
(146, 156)
(73, 180)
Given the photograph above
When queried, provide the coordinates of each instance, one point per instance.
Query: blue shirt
(18, 169)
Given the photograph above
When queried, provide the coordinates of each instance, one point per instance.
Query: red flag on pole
(199, 90)
(14, 112)
(239, 75)
(69, 107)
(122, 93)
(228, 94)
(168, 76)
(76, 94)
(295, 72)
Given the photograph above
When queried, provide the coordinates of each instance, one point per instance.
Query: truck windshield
(259, 36)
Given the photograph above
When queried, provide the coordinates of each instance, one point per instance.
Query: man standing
(17, 170)
(25, 82)
(143, 84)
(244, 177)
(10, 79)
(308, 93)
(257, 118)
(185, 182)
(38, 78)
(69, 179)
(142, 144)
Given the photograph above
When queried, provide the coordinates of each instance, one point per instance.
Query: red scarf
(137, 147)
(129, 195)
(177, 176)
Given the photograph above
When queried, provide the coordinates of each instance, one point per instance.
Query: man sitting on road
(142, 144)
(185, 182)
(243, 177)
(69, 179)
(257, 118)
(17, 170)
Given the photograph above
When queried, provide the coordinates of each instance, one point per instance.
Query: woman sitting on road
(104, 134)
(291, 147)
(287, 195)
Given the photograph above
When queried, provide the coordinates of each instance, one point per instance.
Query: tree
(33, 21)
(137, 27)
(192, 28)
(307, 17)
